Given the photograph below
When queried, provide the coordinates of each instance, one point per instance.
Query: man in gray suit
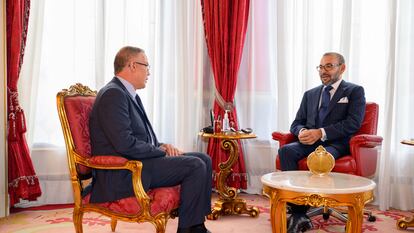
(119, 125)
(328, 115)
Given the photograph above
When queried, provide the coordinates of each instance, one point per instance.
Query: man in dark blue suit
(120, 126)
(328, 115)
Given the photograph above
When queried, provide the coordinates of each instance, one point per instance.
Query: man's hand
(171, 150)
(310, 136)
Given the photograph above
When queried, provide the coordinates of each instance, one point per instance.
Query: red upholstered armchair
(363, 145)
(156, 206)
(362, 161)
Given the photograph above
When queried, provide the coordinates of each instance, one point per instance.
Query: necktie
(326, 98)
(148, 126)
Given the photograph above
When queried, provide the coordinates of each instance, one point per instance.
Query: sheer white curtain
(76, 41)
(396, 177)
(180, 96)
(285, 41)
(257, 92)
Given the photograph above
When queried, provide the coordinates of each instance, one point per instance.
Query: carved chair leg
(77, 219)
(160, 224)
(113, 224)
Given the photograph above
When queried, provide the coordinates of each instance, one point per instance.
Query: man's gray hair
(123, 56)
(340, 58)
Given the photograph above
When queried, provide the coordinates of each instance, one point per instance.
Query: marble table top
(305, 181)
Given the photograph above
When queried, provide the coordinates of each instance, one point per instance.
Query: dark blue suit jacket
(117, 127)
(344, 118)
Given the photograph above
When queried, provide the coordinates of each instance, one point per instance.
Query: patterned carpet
(60, 220)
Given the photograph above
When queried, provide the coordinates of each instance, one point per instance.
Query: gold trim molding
(228, 204)
(4, 199)
(316, 200)
(77, 89)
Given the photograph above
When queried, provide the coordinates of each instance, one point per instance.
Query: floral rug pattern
(60, 220)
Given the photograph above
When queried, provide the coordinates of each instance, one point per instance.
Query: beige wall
(3, 168)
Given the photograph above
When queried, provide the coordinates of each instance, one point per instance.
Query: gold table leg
(404, 223)
(279, 198)
(228, 204)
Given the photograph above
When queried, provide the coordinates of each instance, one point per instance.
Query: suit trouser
(193, 172)
(290, 154)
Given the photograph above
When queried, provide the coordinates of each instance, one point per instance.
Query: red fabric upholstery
(77, 112)
(363, 158)
(108, 160)
(162, 200)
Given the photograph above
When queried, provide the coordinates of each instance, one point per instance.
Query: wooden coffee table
(304, 188)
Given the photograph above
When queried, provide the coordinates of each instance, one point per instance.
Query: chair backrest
(370, 122)
(74, 107)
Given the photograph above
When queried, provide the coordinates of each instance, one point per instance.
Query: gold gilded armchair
(155, 206)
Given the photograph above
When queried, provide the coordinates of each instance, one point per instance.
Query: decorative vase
(320, 162)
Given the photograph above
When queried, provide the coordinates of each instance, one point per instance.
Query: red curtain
(225, 24)
(23, 182)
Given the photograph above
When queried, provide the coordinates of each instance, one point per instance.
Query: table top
(228, 135)
(305, 181)
(408, 142)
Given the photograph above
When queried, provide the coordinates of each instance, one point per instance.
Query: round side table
(305, 188)
(228, 204)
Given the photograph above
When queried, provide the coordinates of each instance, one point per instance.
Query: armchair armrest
(113, 162)
(107, 161)
(284, 137)
(364, 150)
(365, 140)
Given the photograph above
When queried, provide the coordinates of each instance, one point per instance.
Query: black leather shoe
(194, 229)
(298, 222)
(184, 230)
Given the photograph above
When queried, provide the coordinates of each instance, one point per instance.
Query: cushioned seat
(162, 200)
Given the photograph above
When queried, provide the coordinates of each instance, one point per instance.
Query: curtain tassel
(12, 132)
(21, 122)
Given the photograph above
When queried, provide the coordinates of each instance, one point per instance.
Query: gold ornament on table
(320, 162)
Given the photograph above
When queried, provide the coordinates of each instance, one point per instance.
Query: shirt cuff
(323, 138)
